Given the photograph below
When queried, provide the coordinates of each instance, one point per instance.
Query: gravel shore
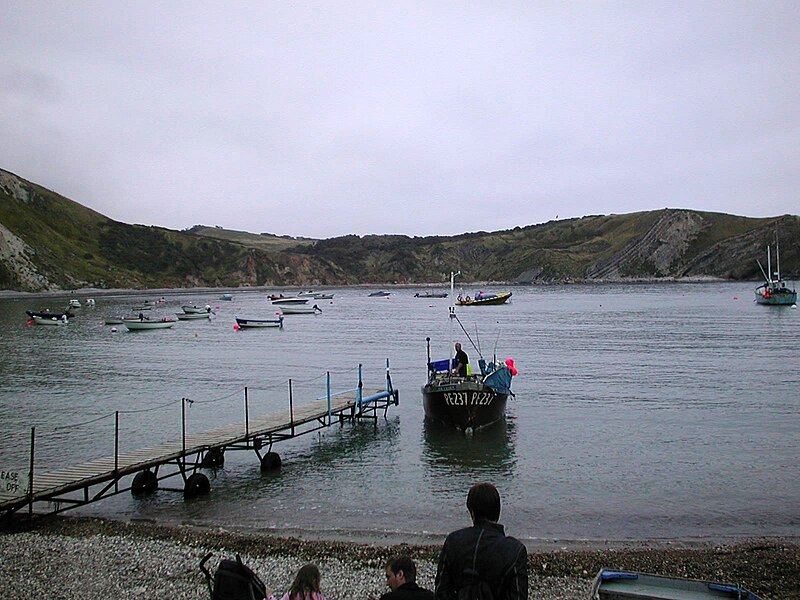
(69, 558)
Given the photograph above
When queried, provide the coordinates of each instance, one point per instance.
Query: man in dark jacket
(483, 555)
(401, 577)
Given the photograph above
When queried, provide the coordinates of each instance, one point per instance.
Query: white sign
(13, 483)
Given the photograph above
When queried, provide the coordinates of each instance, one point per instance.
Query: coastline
(69, 557)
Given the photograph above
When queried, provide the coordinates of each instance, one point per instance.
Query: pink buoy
(236, 327)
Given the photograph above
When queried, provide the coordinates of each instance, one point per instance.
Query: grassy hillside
(48, 242)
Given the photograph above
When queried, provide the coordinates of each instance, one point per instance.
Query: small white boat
(50, 320)
(113, 321)
(140, 324)
(74, 303)
(315, 295)
(193, 316)
(194, 309)
(290, 300)
(380, 294)
(259, 323)
(226, 296)
(294, 309)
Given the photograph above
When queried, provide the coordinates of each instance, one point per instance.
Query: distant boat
(74, 303)
(259, 323)
(193, 316)
(315, 295)
(47, 314)
(50, 320)
(466, 402)
(483, 299)
(615, 585)
(380, 294)
(299, 309)
(774, 291)
(226, 296)
(114, 321)
(290, 300)
(431, 295)
(194, 309)
(141, 324)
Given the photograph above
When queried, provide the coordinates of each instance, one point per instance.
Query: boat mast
(769, 264)
(777, 257)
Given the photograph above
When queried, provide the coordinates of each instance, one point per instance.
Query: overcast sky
(327, 118)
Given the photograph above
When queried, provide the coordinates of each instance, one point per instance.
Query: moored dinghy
(483, 299)
(259, 323)
(295, 309)
(140, 324)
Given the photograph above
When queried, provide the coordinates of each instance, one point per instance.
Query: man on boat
(461, 360)
(482, 557)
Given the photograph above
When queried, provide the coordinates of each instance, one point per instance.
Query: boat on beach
(481, 298)
(139, 324)
(259, 323)
(774, 291)
(467, 402)
(619, 585)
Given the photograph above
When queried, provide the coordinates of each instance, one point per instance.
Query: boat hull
(776, 297)
(137, 325)
(294, 309)
(291, 300)
(194, 310)
(463, 404)
(616, 585)
(258, 323)
(193, 316)
(51, 321)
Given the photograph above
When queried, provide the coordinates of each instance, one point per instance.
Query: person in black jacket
(401, 577)
(483, 555)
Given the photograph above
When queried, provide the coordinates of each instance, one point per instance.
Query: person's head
(483, 502)
(305, 582)
(400, 570)
(458, 346)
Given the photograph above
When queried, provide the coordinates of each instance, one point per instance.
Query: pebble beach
(76, 558)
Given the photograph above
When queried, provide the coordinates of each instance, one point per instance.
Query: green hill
(49, 242)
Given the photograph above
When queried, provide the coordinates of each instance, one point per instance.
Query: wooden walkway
(96, 479)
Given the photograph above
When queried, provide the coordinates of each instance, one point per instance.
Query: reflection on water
(486, 452)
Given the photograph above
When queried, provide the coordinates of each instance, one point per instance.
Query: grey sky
(327, 118)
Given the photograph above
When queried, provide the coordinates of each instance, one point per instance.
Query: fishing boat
(141, 324)
(380, 294)
(616, 585)
(259, 323)
(774, 291)
(482, 298)
(471, 401)
(290, 300)
(431, 295)
(193, 316)
(300, 309)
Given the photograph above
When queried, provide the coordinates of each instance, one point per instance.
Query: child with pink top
(305, 585)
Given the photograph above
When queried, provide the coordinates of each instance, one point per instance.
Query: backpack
(236, 581)
(474, 588)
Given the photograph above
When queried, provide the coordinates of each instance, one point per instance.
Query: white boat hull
(193, 316)
(137, 325)
(259, 323)
(300, 310)
(50, 321)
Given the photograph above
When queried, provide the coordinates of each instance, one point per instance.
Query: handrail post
(360, 390)
(30, 474)
(328, 385)
(291, 407)
(116, 451)
(388, 377)
(183, 429)
(246, 416)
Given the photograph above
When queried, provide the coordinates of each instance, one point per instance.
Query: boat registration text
(468, 399)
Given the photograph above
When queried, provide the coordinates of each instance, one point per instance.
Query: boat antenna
(496, 340)
(777, 255)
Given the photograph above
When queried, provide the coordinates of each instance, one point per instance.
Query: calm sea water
(641, 412)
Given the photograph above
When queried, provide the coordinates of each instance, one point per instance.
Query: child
(305, 585)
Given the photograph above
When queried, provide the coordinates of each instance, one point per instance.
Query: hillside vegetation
(48, 242)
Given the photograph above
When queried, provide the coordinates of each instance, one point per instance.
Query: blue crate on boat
(439, 365)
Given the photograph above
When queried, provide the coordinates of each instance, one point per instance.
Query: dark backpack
(473, 587)
(236, 581)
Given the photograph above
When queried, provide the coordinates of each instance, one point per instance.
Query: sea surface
(642, 412)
